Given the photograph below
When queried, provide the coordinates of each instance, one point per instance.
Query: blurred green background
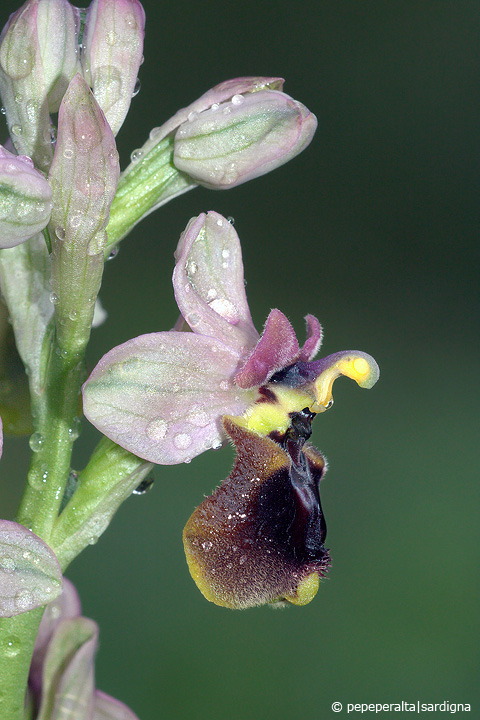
(371, 229)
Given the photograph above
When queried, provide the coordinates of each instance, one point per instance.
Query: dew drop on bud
(36, 441)
(145, 485)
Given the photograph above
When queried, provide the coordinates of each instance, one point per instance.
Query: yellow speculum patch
(266, 417)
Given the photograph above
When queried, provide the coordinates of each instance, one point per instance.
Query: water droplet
(145, 485)
(54, 298)
(24, 599)
(238, 100)
(214, 107)
(75, 428)
(3, 111)
(75, 221)
(60, 232)
(207, 545)
(18, 98)
(136, 155)
(87, 132)
(137, 87)
(157, 429)
(113, 253)
(329, 404)
(52, 136)
(182, 440)
(216, 445)
(72, 315)
(231, 220)
(199, 419)
(7, 564)
(36, 441)
(130, 21)
(226, 309)
(193, 319)
(68, 153)
(192, 116)
(97, 243)
(11, 645)
(16, 130)
(93, 540)
(111, 37)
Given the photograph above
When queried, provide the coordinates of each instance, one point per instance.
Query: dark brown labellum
(260, 537)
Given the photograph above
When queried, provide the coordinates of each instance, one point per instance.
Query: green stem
(50, 465)
(17, 639)
(144, 185)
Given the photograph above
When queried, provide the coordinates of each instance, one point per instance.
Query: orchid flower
(169, 396)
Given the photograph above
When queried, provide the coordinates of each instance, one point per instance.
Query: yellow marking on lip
(268, 416)
(306, 590)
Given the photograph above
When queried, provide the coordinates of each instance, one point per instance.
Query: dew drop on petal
(137, 87)
(157, 429)
(193, 319)
(182, 441)
(24, 599)
(225, 308)
(60, 232)
(199, 419)
(7, 564)
(238, 100)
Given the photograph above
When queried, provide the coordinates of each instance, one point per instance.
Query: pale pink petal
(209, 285)
(66, 606)
(313, 341)
(68, 671)
(30, 575)
(106, 707)
(161, 396)
(276, 349)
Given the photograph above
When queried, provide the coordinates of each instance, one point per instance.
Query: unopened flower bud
(241, 139)
(38, 58)
(57, 26)
(25, 199)
(113, 47)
